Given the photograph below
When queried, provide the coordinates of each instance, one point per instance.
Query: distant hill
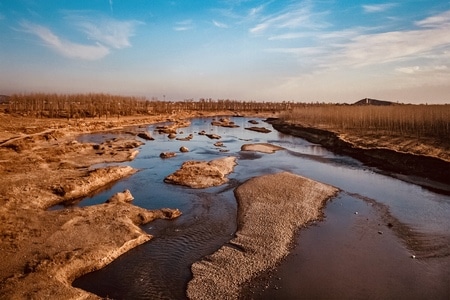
(369, 101)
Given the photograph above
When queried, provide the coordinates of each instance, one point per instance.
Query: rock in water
(167, 154)
(145, 136)
(184, 149)
(202, 174)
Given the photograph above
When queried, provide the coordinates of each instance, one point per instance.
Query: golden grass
(411, 120)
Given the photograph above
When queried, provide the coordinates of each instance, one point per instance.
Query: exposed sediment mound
(203, 174)
(93, 180)
(261, 147)
(41, 262)
(224, 122)
(271, 209)
(259, 129)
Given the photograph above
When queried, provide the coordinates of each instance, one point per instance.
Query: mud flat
(271, 208)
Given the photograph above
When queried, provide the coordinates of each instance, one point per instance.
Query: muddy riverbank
(42, 166)
(427, 171)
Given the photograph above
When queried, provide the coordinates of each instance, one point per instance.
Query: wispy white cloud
(113, 33)
(420, 75)
(301, 52)
(184, 25)
(393, 46)
(105, 33)
(219, 24)
(65, 47)
(289, 36)
(293, 17)
(424, 69)
(378, 8)
(442, 19)
(358, 47)
(255, 11)
(408, 70)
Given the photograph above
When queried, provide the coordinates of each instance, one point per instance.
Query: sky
(251, 50)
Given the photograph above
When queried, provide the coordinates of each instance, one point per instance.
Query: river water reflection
(362, 249)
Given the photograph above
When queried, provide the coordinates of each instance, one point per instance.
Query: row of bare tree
(105, 105)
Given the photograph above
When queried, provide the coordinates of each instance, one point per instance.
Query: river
(380, 238)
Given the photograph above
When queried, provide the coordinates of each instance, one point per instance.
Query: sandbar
(271, 208)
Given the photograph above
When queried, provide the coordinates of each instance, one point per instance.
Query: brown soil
(271, 208)
(41, 165)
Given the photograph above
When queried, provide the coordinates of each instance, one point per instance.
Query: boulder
(259, 129)
(167, 154)
(125, 196)
(213, 136)
(145, 136)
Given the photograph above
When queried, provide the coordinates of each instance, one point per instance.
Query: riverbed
(379, 236)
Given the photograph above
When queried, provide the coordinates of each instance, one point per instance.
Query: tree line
(106, 105)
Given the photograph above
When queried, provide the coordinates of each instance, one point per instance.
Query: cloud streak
(398, 45)
(219, 24)
(110, 32)
(183, 25)
(64, 47)
(103, 32)
(355, 48)
(378, 8)
(293, 17)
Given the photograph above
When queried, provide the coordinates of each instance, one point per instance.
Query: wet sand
(351, 255)
(271, 208)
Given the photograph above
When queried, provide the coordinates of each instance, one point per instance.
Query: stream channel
(380, 238)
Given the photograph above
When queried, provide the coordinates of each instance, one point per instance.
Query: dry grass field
(418, 129)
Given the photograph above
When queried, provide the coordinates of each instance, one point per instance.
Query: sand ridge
(271, 208)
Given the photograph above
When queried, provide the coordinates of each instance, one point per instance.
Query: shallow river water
(381, 238)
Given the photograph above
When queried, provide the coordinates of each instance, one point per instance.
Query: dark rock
(213, 136)
(145, 136)
(167, 154)
(259, 129)
(184, 149)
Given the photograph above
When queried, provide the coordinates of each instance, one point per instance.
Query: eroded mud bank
(44, 251)
(423, 170)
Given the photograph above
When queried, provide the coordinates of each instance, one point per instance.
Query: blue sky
(325, 50)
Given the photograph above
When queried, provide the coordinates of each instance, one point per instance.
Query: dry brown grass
(412, 120)
(416, 129)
